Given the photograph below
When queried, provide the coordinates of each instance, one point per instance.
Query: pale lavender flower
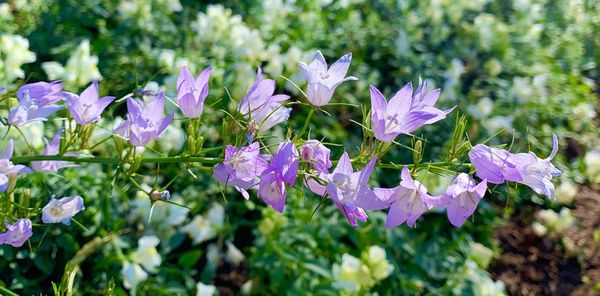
(282, 170)
(241, 168)
(322, 81)
(87, 107)
(405, 112)
(36, 102)
(461, 198)
(494, 165)
(407, 202)
(62, 210)
(537, 173)
(314, 152)
(346, 187)
(192, 93)
(2, 89)
(9, 171)
(261, 106)
(144, 123)
(17, 233)
(52, 148)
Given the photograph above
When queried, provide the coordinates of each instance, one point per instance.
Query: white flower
(81, 68)
(205, 290)
(346, 275)
(377, 262)
(482, 109)
(132, 274)
(62, 210)
(499, 122)
(14, 52)
(177, 214)
(566, 191)
(234, 255)
(201, 229)
(592, 165)
(146, 253)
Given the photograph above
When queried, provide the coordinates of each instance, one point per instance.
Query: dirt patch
(531, 265)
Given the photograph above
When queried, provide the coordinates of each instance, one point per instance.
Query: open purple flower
(461, 198)
(322, 81)
(87, 107)
(282, 171)
(36, 102)
(346, 187)
(407, 202)
(52, 148)
(62, 210)
(405, 112)
(494, 165)
(241, 168)
(192, 93)
(261, 106)
(314, 152)
(144, 123)
(16, 234)
(537, 173)
(9, 171)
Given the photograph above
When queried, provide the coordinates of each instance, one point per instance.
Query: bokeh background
(519, 71)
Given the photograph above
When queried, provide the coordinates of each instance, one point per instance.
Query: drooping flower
(146, 253)
(36, 102)
(494, 165)
(407, 202)
(87, 107)
(405, 112)
(133, 275)
(52, 148)
(144, 123)
(537, 173)
(346, 187)
(314, 152)
(192, 93)
(461, 198)
(322, 81)
(17, 233)
(241, 168)
(282, 170)
(261, 106)
(9, 171)
(62, 210)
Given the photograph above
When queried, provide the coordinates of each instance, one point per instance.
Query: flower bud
(160, 195)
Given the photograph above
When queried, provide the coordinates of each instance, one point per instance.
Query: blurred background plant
(509, 65)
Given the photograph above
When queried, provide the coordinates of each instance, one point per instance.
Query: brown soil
(531, 265)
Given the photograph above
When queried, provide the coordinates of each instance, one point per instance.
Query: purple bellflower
(461, 198)
(144, 123)
(16, 234)
(36, 102)
(315, 153)
(537, 173)
(346, 187)
(322, 81)
(191, 92)
(241, 168)
(261, 106)
(9, 171)
(405, 112)
(87, 107)
(62, 210)
(282, 171)
(52, 148)
(494, 165)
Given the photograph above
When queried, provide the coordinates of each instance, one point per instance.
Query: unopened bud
(418, 151)
(160, 195)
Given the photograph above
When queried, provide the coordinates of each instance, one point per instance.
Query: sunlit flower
(133, 275)
(17, 233)
(146, 253)
(323, 81)
(62, 210)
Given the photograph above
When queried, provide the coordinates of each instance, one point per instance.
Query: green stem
(307, 121)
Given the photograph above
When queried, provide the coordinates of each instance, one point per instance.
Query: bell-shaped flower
(87, 107)
(315, 153)
(191, 92)
(144, 123)
(407, 202)
(282, 171)
(461, 198)
(405, 112)
(9, 171)
(323, 81)
(52, 148)
(62, 210)
(261, 106)
(36, 102)
(241, 167)
(494, 165)
(346, 187)
(133, 275)
(146, 253)
(537, 173)
(16, 234)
